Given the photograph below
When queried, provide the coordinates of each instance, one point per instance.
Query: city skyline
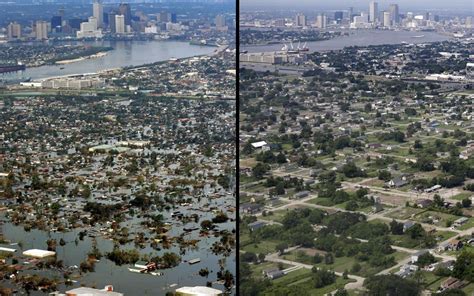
(360, 4)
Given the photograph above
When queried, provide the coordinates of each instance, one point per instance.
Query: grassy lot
(467, 225)
(435, 285)
(264, 247)
(327, 202)
(302, 278)
(343, 263)
(276, 216)
(469, 289)
(405, 213)
(462, 195)
(247, 162)
(435, 218)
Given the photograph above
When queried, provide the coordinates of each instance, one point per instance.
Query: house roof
(259, 144)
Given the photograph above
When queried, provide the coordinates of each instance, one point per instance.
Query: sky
(343, 4)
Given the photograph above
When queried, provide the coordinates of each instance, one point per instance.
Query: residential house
(273, 273)
(256, 225)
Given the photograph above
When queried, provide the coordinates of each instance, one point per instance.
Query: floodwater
(124, 281)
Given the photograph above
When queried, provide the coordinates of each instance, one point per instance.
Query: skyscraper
(338, 15)
(164, 17)
(373, 11)
(120, 24)
(112, 27)
(56, 23)
(174, 18)
(387, 19)
(98, 13)
(41, 30)
(14, 31)
(469, 23)
(220, 21)
(350, 14)
(93, 23)
(300, 20)
(394, 14)
(124, 9)
(321, 21)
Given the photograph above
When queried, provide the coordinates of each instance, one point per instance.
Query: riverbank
(92, 56)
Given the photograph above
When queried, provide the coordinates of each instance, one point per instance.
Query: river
(125, 53)
(360, 38)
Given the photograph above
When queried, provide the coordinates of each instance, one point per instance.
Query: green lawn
(343, 263)
(435, 218)
(302, 278)
(276, 216)
(462, 195)
(264, 247)
(326, 202)
(405, 213)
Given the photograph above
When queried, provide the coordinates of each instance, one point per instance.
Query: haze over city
(341, 4)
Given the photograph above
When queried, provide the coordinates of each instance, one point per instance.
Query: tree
(396, 228)
(391, 285)
(322, 277)
(341, 292)
(464, 266)
(384, 175)
(328, 259)
(416, 231)
(466, 203)
(356, 267)
(425, 259)
(259, 170)
(281, 247)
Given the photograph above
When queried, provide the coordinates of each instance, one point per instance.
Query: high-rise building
(338, 16)
(120, 24)
(220, 21)
(125, 10)
(163, 17)
(395, 14)
(56, 21)
(387, 19)
(469, 23)
(111, 17)
(300, 20)
(14, 31)
(89, 29)
(93, 22)
(98, 13)
(373, 11)
(321, 21)
(174, 18)
(350, 14)
(75, 23)
(41, 30)
(279, 23)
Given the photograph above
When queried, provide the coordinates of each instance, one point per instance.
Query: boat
(61, 68)
(156, 273)
(418, 36)
(194, 261)
(135, 270)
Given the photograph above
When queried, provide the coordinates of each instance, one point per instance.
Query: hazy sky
(342, 4)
